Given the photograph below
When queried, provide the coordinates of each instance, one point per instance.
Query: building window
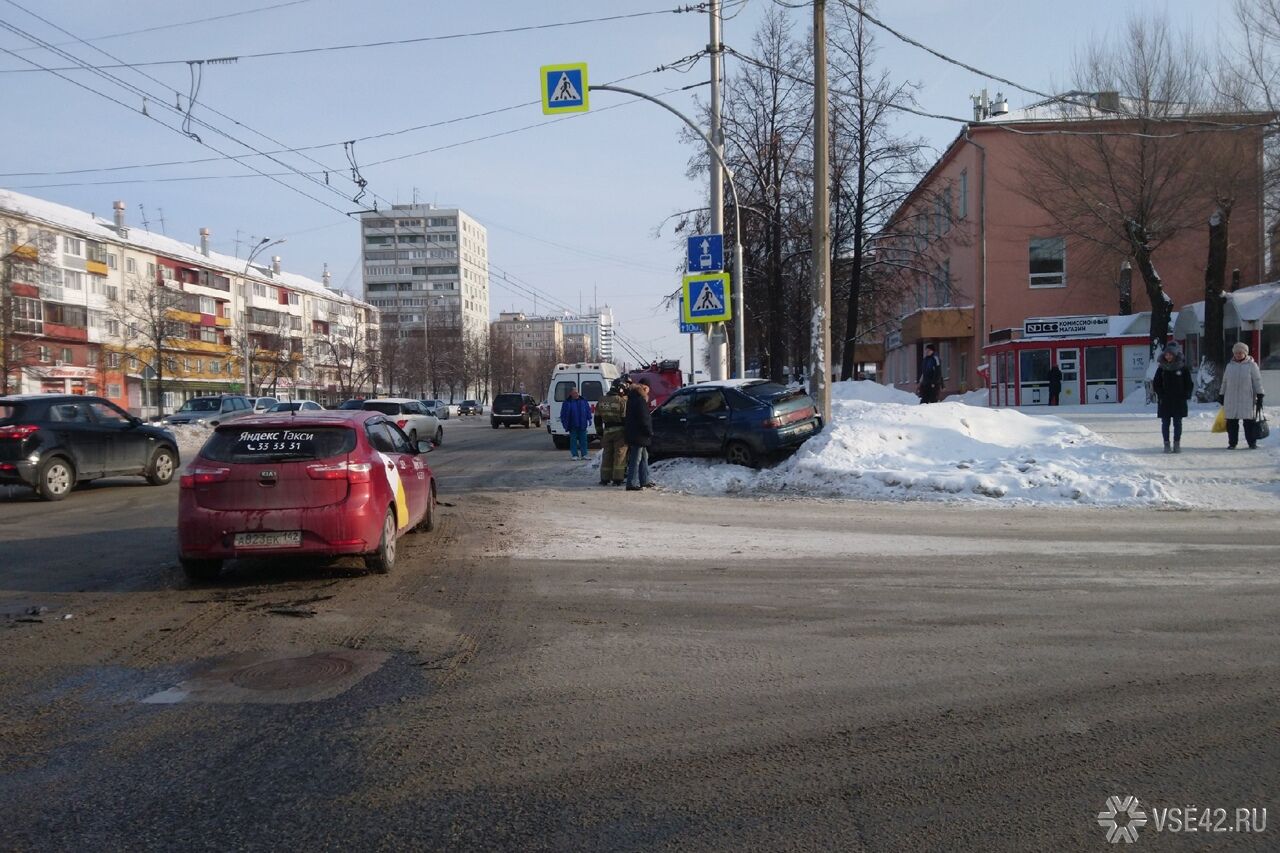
(113, 360)
(42, 353)
(72, 246)
(112, 261)
(962, 208)
(72, 280)
(91, 358)
(130, 265)
(68, 357)
(151, 271)
(113, 391)
(1048, 261)
(208, 334)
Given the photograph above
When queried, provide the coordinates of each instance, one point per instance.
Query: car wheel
(740, 453)
(382, 560)
(493, 424)
(413, 438)
(57, 479)
(201, 571)
(162, 466)
(439, 439)
(428, 522)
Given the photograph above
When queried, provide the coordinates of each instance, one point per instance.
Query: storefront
(1102, 360)
(1250, 314)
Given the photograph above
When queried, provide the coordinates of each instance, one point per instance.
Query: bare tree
(27, 265)
(351, 353)
(1139, 179)
(144, 311)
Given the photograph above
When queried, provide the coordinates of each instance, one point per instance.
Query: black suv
(515, 409)
(50, 442)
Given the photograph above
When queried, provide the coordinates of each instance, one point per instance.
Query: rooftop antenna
(161, 209)
(145, 224)
(238, 241)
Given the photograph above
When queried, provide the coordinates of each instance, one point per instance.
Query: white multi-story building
(426, 267)
(596, 325)
(93, 297)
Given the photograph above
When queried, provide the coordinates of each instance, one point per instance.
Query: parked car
(470, 407)
(345, 483)
(544, 409)
(411, 416)
(439, 408)
(50, 442)
(210, 410)
(746, 422)
(262, 404)
(592, 379)
(511, 409)
(296, 406)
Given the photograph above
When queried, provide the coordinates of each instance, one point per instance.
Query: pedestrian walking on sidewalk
(638, 431)
(930, 384)
(1241, 397)
(611, 414)
(1172, 386)
(575, 417)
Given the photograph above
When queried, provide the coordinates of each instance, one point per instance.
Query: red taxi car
(340, 482)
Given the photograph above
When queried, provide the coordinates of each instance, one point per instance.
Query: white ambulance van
(592, 379)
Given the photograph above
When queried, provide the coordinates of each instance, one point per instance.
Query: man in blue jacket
(575, 417)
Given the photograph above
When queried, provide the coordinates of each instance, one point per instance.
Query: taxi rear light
(400, 423)
(18, 431)
(352, 472)
(203, 477)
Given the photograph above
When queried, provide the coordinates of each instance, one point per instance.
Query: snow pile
(872, 392)
(190, 438)
(947, 451)
(976, 397)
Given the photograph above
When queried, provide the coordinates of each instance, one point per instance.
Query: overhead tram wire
(164, 102)
(1214, 128)
(696, 8)
(170, 127)
(338, 144)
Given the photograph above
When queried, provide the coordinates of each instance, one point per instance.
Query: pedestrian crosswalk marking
(565, 90)
(707, 300)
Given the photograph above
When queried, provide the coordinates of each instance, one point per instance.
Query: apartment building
(101, 308)
(531, 336)
(426, 268)
(979, 258)
(597, 325)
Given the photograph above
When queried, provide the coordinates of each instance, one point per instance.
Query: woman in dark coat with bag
(1172, 386)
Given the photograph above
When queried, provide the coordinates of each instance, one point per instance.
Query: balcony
(938, 324)
(222, 322)
(192, 317)
(205, 347)
(95, 267)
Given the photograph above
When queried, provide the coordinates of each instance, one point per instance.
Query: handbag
(1263, 429)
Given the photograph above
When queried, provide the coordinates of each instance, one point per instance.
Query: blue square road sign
(706, 253)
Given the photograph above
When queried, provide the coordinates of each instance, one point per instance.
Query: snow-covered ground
(190, 439)
(883, 445)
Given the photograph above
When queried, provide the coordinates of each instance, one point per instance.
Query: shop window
(1048, 262)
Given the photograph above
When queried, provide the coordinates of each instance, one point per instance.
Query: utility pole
(717, 339)
(820, 354)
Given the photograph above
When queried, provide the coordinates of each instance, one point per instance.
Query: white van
(592, 379)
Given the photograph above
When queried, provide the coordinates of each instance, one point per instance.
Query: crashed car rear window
(10, 412)
(252, 444)
(764, 390)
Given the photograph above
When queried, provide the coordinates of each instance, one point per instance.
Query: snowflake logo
(1134, 817)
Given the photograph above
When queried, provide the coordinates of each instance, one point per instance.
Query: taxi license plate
(275, 539)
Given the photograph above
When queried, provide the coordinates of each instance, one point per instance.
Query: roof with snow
(96, 228)
(1250, 306)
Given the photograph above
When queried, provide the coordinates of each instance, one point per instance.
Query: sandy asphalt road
(562, 666)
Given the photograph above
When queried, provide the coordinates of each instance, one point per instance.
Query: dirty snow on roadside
(190, 438)
(882, 445)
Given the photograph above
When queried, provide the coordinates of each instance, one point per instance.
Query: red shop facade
(1102, 360)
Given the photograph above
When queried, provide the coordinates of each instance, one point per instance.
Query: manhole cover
(292, 673)
(274, 677)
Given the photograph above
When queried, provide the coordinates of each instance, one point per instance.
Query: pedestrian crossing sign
(706, 298)
(564, 88)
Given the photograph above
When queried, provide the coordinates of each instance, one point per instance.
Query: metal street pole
(739, 279)
(717, 340)
(820, 354)
(264, 243)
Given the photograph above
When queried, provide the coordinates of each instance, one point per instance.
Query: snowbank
(976, 397)
(190, 438)
(896, 449)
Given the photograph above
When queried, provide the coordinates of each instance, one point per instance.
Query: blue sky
(573, 207)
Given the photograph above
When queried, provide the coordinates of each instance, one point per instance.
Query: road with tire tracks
(564, 666)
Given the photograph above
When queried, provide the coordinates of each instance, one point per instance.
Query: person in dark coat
(638, 430)
(930, 385)
(1055, 385)
(1172, 386)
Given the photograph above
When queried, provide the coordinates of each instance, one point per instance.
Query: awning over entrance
(932, 324)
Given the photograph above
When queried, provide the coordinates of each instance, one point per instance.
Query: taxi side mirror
(425, 446)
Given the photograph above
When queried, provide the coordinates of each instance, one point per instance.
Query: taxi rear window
(257, 444)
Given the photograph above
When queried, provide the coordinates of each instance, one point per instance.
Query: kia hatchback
(335, 483)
